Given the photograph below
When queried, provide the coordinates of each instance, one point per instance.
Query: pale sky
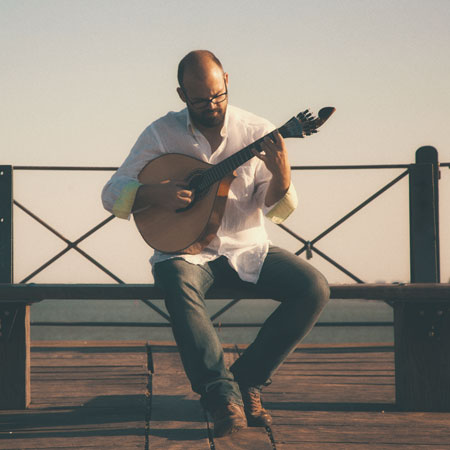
(81, 79)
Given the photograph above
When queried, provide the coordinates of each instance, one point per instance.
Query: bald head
(198, 64)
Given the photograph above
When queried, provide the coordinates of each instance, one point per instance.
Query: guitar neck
(303, 124)
(228, 165)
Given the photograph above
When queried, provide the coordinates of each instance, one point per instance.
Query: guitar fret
(208, 177)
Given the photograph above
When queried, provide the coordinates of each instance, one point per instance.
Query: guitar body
(192, 229)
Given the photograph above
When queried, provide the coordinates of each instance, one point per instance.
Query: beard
(207, 118)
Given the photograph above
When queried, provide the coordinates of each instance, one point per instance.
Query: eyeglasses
(204, 102)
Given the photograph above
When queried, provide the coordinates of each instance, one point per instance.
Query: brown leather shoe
(228, 418)
(256, 415)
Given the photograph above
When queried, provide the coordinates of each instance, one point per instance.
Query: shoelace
(253, 402)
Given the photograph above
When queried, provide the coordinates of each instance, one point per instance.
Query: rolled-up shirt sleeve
(119, 193)
(123, 204)
(279, 212)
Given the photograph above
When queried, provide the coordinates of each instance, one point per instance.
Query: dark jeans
(301, 290)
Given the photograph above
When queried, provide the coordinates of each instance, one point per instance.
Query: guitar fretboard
(228, 165)
(302, 124)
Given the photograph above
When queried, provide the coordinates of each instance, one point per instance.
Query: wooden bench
(421, 331)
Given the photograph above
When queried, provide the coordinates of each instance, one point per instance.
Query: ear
(181, 95)
(225, 76)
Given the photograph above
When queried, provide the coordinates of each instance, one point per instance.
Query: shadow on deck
(135, 395)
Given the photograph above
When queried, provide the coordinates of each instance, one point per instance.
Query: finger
(269, 148)
(274, 137)
(185, 193)
(277, 135)
(268, 140)
(186, 201)
(183, 201)
(257, 154)
(278, 145)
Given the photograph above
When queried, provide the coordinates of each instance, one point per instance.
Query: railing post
(14, 317)
(422, 335)
(6, 229)
(424, 217)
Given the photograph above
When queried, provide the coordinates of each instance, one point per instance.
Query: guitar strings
(298, 126)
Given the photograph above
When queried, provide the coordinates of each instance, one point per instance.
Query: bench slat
(31, 293)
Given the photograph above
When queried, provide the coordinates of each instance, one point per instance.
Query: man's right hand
(169, 194)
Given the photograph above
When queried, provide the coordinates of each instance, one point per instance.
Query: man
(211, 130)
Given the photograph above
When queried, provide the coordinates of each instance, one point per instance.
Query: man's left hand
(274, 154)
(275, 157)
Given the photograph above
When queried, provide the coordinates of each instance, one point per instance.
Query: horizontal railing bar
(353, 167)
(364, 291)
(217, 325)
(74, 168)
(325, 167)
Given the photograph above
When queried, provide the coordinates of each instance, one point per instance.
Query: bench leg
(14, 356)
(422, 356)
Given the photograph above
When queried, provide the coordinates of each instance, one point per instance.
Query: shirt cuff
(283, 209)
(123, 205)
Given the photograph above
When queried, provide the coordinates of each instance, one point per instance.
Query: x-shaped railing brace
(73, 245)
(309, 246)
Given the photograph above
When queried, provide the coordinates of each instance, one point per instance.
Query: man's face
(206, 98)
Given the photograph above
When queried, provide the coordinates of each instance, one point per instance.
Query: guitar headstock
(305, 123)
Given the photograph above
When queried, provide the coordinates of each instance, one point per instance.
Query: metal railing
(424, 174)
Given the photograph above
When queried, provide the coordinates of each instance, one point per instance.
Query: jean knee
(316, 290)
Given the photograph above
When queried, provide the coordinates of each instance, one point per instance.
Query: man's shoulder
(170, 120)
(248, 118)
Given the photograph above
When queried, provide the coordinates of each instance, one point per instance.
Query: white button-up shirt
(241, 237)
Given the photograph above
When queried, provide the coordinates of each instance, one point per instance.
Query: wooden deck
(124, 395)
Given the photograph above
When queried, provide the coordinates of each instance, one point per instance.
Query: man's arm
(275, 158)
(168, 194)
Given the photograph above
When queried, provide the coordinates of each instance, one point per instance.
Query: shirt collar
(193, 130)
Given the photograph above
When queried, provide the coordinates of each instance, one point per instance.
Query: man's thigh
(176, 276)
(285, 275)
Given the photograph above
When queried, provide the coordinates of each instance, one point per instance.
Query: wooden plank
(344, 409)
(328, 378)
(355, 414)
(42, 345)
(95, 411)
(177, 420)
(247, 439)
(350, 446)
(364, 428)
(30, 293)
(14, 356)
